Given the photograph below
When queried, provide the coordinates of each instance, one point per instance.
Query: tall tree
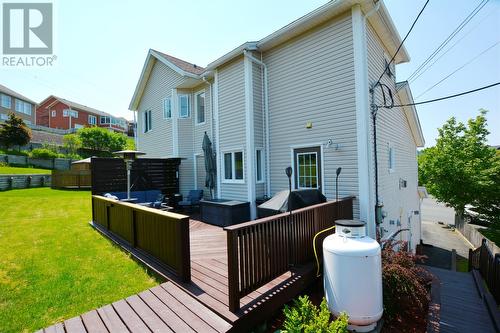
(461, 169)
(14, 132)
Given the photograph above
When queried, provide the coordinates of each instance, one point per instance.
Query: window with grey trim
(167, 108)
(148, 122)
(183, 106)
(200, 108)
(6, 101)
(233, 166)
(259, 167)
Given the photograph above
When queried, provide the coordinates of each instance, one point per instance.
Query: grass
(492, 234)
(10, 170)
(53, 265)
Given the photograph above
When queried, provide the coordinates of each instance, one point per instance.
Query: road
(440, 239)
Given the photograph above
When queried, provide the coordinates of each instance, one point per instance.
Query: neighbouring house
(21, 106)
(299, 97)
(56, 112)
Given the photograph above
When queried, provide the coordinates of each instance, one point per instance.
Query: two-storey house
(13, 102)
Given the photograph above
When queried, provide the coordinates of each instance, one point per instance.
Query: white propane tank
(353, 275)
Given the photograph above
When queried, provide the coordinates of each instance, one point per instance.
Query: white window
(167, 108)
(92, 120)
(307, 173)
(69, 112)
(77, 126)
(183, 106)
(391, 158)
(147, 121)
(19, 105)
(4, 116)
(27, 108)
(27, 122)
(233, 167)
(104, 120)
(200, 108)
(53, 113)
(5, 101)
(259, 165)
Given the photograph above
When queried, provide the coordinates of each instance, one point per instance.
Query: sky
(101, 47)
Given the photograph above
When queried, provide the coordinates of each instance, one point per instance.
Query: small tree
(72, 143)
(462, 169)
(97, 138)
(14, 132)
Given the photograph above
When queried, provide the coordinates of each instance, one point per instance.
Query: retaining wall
(471, 232)
(8, 182)
(49, 163)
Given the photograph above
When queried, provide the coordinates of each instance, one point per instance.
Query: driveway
(440, 239)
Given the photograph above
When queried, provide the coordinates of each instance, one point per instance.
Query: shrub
(304, 316)
(44, 153)
(405, 284)
(98, 138)
(14, 152)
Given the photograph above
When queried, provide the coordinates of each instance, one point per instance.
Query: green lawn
(8, 170)
(53, 265)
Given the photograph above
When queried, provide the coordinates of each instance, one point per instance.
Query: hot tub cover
(284, 201)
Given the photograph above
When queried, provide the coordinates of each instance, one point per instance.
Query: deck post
(232, 267)
(184, 250)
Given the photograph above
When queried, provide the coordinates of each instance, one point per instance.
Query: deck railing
(71, 178)
(162, 236)
(489, 266)
(261, 250)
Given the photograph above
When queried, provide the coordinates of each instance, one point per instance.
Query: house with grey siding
(14, 102)
(300, 97)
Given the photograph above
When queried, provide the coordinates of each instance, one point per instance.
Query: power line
(459, 68)
(449, 38)
(451, 96)
(402, 42)
(451, 47)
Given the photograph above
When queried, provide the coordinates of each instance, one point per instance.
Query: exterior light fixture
(129, 156)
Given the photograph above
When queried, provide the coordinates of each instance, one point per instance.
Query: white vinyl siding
(159, 86)
(259, 166)
(393, 128)
(311, 79)
(232, 129)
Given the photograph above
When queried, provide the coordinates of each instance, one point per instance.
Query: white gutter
(266, 114)
(217, 141)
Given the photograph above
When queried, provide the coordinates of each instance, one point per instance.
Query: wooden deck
(201, 305)
(462, 309)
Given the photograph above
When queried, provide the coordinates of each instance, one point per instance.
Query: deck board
(200, 305)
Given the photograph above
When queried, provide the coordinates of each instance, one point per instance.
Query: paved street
(439, 238)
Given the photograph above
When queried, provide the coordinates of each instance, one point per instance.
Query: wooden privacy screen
(261, 250)
(71, 178)
(110, 175)
(162, 235)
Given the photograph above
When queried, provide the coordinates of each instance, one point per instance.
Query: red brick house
(56, 112)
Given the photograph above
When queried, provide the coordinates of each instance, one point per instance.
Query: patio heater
(129, 156)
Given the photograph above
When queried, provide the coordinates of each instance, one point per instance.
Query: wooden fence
(261, 250)
(163, 236)
(71, 179)
(489, 266)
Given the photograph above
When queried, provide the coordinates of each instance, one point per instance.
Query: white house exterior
(299, 97)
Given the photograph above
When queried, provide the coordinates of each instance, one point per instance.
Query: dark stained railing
(163, 236)
(489, 266)
(261, 250)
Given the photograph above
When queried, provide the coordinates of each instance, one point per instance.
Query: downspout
(266, 113)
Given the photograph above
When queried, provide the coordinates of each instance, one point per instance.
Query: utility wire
(451, 47)
(402, 42)
(449, 38)
(459, 68)
(451, 96)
